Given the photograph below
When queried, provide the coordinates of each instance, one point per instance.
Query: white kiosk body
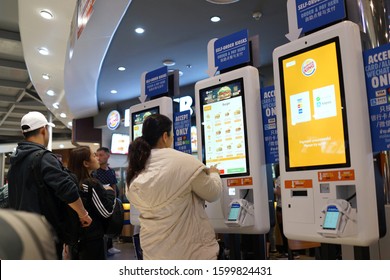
(230, 136)
(138, 113)
(326, 160)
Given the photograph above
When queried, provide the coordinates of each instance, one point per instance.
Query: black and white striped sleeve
(103, 200)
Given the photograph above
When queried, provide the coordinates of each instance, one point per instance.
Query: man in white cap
(61, 188)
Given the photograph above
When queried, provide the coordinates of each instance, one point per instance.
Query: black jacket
(22, 188)
(99, 203)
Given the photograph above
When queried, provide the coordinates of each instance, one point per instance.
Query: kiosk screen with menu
(224, 139)
(313, 108)
(138, 118)
(120, 143)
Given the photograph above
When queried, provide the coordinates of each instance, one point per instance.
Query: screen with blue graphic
(234, 213)
(332, 217)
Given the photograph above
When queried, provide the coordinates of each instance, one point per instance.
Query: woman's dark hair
(153, 128)
(76, 162)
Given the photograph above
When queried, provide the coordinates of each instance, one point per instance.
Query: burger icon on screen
(147, 114)
(224, 93)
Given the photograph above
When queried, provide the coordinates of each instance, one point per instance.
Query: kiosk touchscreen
(230, 137)
(326, 166)
(138, 113)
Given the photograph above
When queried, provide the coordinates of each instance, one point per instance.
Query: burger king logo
(309, 66)
(113, 120)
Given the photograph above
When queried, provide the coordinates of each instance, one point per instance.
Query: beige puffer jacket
(169, 195)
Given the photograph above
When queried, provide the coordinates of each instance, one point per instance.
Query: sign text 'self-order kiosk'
(138, 113)
(326, 161)
(229, 136)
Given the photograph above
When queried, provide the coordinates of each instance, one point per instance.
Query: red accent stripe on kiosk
(236, 182)
(295, 184)
(336, 175)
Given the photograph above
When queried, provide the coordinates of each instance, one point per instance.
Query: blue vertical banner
(232, 50)
(156, 82)
(313, 14)
(377, 70)
(268, 110)
(182, 131)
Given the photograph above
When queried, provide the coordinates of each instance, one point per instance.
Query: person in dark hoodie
(61, 186)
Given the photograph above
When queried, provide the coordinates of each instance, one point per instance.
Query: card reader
(335, 216)
(240, 213)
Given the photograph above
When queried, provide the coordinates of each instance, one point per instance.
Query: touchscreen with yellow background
(313, 108)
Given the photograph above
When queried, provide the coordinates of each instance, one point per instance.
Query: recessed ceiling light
(46, 76)
(181, 73)
(61, 146)
(46, 14)
(113, 91)
(215, 19)
(169, 62)
(222, 1)
(70, 124)
(139, 30)
(43, 51)
(56, 105)
(50, 92)
(121, 68)
(63, 115)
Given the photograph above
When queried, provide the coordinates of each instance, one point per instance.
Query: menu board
(138, 120)
(120, 143)
(224, 129)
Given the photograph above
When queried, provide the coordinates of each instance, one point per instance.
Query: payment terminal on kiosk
(230, 137)
(138, 113)
(326, 161)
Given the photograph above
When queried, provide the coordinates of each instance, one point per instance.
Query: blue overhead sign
(377, 69)
(156, 82)
(232, 50)
(182, 131)
(268, 109)
(313, 14)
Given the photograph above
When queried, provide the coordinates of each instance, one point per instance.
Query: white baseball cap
(34, 120)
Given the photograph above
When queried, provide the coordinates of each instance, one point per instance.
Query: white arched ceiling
(74, 80)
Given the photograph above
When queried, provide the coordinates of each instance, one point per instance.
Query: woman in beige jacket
(169, 188)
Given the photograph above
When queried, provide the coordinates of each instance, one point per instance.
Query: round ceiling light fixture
(222, 1)
(169, 62)
(215, 19)
(139, 30)
(50, 92)
(43, 51)
(46, 14)
(46, 76)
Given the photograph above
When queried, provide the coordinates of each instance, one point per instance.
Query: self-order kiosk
(326, 161)
(138, 113)
(230, 136)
